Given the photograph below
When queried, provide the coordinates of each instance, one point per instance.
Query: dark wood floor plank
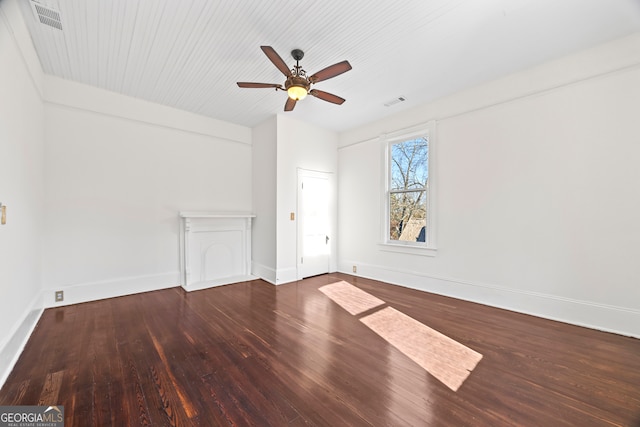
(257, 354)
(51, 388)
(78, 322)
(19, 393)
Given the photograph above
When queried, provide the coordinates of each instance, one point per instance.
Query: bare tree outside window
(409, 180)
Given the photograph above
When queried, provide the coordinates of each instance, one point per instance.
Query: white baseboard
(273, 276)
(219, 282)
(619, 320)
(286, 275)
(111, 288)
(267, 274)
(12, 348)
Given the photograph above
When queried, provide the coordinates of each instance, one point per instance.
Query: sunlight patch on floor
(443, 357)
(352, 299)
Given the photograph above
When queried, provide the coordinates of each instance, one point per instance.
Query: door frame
(330, 176)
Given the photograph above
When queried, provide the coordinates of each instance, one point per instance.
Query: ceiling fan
(298, 85)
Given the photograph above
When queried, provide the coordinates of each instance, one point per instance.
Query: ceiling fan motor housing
(297, 81)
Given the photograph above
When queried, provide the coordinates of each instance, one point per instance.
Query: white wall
(118, 171)
(538, 202)
(21, 186)
(264, 150)
(305, 146)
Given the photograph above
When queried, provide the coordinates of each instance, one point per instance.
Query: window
(408, 185)
(408, 213)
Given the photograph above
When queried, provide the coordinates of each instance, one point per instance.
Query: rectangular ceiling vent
(395, 101)
(46, 15)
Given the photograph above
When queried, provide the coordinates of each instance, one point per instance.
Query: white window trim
(429, 248)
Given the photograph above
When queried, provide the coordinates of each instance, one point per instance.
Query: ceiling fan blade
(326, 96)
(277, 61)
(330, 71)
(258, 85)
(290, 104)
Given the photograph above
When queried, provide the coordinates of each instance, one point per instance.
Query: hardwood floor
(256, 354)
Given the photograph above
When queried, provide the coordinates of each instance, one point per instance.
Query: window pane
(409, 164)
(407, 215)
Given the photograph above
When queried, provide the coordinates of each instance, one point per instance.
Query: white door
(314, 204)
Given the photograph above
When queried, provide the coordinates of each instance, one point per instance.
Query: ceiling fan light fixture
(296, 92)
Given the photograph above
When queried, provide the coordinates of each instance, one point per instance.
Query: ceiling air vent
(394, 101)
(46, 15)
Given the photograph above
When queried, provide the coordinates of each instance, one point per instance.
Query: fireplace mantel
(215, 249)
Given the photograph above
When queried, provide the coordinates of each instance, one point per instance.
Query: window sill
(408, 249)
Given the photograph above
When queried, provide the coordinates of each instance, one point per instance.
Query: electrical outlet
(355, 269)
(59, 296)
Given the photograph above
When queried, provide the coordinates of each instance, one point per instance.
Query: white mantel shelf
(215, 249)
(215, 215)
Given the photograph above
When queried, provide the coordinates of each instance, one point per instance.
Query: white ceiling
(189, 54)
